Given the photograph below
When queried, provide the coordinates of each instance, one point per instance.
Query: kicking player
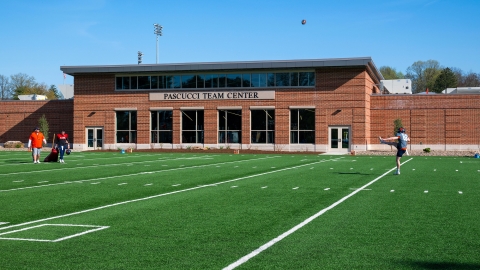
(401, 145)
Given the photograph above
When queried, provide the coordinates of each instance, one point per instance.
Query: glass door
(339, 138)
(94, 138)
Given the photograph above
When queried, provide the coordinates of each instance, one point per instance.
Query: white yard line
(305, 222)
(161, 195)
(133, 174)
(95, 166)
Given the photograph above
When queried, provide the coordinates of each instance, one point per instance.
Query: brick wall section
(347, 89)
(429, 119)
(19, 118)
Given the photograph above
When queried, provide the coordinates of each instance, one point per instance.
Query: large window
(230, 126)
(263, 126)
(126, 126)
(192, 126)
(161, 128)
(302, 126)
(233, 80)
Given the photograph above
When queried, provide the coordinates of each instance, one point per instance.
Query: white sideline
(164, 194)
(305, 222)
(97, 165)
(128, 175)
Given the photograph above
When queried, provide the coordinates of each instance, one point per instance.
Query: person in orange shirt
(35, 143)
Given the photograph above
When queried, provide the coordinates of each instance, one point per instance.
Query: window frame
(299, 131)
(130, 132)
(268, 131)
(227, 135)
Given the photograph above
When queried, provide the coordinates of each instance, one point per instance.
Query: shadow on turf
(353, 173)
(440, 265)
(16, 161)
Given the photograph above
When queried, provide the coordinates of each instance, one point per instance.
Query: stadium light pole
(157, 30)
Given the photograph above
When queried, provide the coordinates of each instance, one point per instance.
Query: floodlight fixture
(157, 30)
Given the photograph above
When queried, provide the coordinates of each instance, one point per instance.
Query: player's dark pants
(400, 152)
(61, 150)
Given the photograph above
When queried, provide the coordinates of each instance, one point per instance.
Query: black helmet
(68, 151)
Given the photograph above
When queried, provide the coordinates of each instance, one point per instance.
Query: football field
(107, 210)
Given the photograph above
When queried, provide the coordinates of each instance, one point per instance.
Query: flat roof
(204, 66)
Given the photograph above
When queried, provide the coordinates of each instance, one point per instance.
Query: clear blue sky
(40, 36)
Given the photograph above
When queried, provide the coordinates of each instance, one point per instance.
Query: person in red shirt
(61, 142)
(35, 144)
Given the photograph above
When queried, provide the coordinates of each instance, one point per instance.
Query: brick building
(322, 105)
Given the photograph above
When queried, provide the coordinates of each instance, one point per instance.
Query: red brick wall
(19, 118)
(429, 119)
(347, 89)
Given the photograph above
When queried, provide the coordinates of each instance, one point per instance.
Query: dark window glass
(189, 81)
(255, 82)
(154, 120)
(271, 79)
(169, 82)
(177, 81)
(123, 120)
(230, 126)
(307, 119)
(126, 131)
(302, 126)
(154, 82)
(263, 126)
(143, 82)
(259, 80)
(126, 82)
(246, 80)
(259, 121)
(118, 83)
(294, 78)
(222, 80)
(311, 78)
(234, 80)
(307, 78)
(123, 137)
(189, 120)
(133, 120)
(192, 126)
(200, 81)
(162, 82)
(211, 81)
(282, 79)
(133, 82)
(161, 129)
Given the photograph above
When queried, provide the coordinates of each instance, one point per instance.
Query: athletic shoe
(38, 161)
(397, 172)
(34, 162)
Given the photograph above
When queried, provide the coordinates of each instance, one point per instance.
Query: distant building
(399, 86)
(462, 90)
(66, 90)
(32, 97)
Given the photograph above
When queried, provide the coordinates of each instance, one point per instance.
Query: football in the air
(304, 21)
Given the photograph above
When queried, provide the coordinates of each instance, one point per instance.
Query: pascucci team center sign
(213, 95)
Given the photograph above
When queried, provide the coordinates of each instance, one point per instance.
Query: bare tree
(471, 80)
(5, 89)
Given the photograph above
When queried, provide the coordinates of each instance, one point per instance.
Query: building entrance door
(339, 139)
(94, 138)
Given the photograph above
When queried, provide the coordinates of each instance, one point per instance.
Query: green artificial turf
(207, 211)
